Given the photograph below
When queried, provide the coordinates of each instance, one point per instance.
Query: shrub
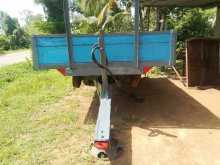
(4, 43)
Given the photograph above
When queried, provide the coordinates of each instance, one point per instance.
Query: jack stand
(104, 146)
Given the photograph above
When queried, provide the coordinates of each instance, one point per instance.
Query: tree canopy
(13, 36)
(8, 23)
(55, 16)
(180, 3)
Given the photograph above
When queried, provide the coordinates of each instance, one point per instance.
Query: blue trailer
(103, 57)
(155, 49)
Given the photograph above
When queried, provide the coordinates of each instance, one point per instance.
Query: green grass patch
(163, 71)
(24, 93)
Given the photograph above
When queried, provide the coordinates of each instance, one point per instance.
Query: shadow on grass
(165, 106)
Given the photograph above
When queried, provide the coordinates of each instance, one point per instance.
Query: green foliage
(9, 24)
(191, 23)
(55, 16)
(108, 14)
(120, 22)
(103, 9)
(85, 27)
(19, 39)
(92, 7)
(110, 10)
(35, 24)
(14, 36)
(32, 23)
(4, 43)
(47, 27)
(155, 72)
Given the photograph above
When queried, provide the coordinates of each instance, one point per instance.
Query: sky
(15, 7)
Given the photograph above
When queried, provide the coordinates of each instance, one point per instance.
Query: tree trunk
(162, 22)
(141, 19)
(157, 19)
(148, 12)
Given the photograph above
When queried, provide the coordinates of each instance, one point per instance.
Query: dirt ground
(174, 125)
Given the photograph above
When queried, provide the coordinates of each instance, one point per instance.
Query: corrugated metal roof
(183, 3)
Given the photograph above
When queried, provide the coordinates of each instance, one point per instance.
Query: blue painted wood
(156, 47)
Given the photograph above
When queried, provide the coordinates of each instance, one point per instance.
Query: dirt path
(174, 125)
(14, 58)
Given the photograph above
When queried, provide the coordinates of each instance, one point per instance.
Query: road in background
(14, 58)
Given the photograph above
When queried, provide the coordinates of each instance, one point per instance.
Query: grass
(166, 71)
(41, 119)
(3, 52)
(22, 93)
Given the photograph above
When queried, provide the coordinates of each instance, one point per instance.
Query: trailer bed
(156, 49)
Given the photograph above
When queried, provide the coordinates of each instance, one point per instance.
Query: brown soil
(174, 125)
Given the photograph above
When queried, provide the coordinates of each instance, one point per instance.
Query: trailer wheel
(76, 82)
(89, 82)
(98, 153)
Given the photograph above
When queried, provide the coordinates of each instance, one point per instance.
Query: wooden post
(217, 30)
(219, 58)
(187, 65)
(217, 23)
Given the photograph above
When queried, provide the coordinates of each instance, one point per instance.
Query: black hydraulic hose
(118, 85)
(94, 48)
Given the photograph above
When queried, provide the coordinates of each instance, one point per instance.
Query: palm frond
(108, 10)
(92, 7)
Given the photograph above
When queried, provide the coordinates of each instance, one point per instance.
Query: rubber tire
(76, 82)
(89, 82)
(102, 155)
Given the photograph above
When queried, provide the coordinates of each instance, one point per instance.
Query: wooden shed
(203, 62)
